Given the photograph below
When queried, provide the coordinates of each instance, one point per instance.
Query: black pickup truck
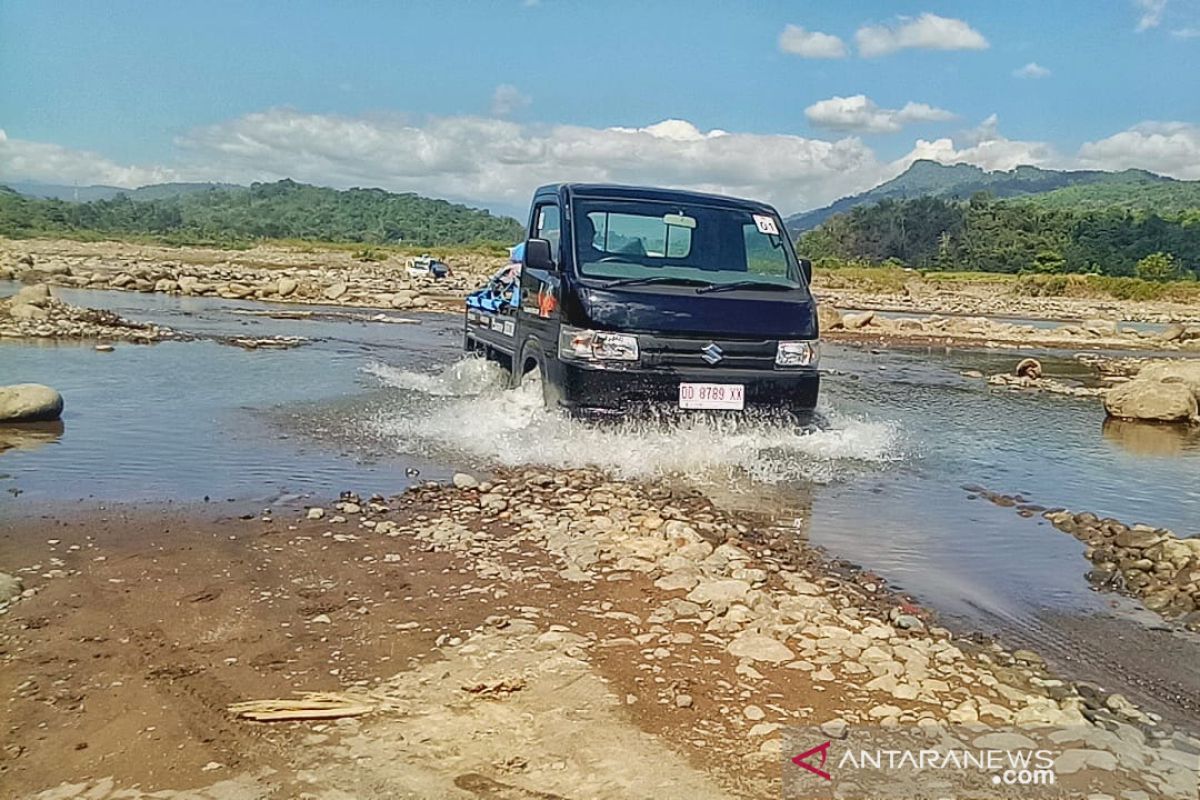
(629, 296)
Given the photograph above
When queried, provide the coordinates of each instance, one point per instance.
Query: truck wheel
(533, 369)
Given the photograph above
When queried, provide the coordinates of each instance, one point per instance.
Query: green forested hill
(1015, 235)
(1153, 194)
(282, 210)
(1131, 188)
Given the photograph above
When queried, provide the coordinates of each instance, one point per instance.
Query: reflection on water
(188, 420)
(1150, 439)
(29, 435)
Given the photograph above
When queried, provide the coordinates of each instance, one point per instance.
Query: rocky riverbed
(34, 313)
(977, 330)
(1149, 563)
(532, 634)
(278, 274)
(960, 316)
(1152, 564)
(991, 298)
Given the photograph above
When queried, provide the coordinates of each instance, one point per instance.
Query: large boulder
(1185, 371)
(29, 402)
(1152, 401)
(37, 294)
(28, 312)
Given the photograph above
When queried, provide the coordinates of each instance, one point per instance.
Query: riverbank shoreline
(539, 633)
(961, 313)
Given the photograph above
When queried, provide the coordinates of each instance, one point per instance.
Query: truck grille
(672, 352)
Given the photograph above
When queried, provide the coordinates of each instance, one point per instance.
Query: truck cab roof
(623, 192)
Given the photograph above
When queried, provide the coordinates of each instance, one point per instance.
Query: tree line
(282, 210)
(1014, 236)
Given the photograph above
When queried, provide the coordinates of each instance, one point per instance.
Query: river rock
(37, 295)
(1100, 327)
(10, 587)
(759, 647)
(1152, 401)
(464, 481)
(720, 593)
(336, 290)
(28, 312)
(1183, 371)
(1030, 367)
(285, 286)
(828, 317)
(29, 402)
(853, 322)
(1138, 538)
(1173, 332)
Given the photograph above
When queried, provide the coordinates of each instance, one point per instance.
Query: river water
(375, 405)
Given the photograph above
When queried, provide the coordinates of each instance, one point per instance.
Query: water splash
(466, 411)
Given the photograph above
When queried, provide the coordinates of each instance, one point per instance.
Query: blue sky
(254, 90)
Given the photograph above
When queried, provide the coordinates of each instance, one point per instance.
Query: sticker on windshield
(766, 224)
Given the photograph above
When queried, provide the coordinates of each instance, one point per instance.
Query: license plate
(712, 395)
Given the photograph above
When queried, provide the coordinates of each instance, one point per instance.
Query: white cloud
(926, 32)
(1186, 33)
(859, 113)
(1151, 13)
(51, 163)
(498, 163)
(1168, 148)
(810, 44)
(1031, 70)
(985, 147)
(508, 99)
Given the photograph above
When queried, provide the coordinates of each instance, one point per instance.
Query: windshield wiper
(703, 284)
(722, 287)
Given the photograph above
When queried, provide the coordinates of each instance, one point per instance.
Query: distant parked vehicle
(426, 266)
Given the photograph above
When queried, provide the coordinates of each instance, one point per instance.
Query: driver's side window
(549, 227)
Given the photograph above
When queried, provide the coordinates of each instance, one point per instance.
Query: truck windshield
(649, 242)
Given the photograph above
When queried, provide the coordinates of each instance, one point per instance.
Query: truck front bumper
(605, 391)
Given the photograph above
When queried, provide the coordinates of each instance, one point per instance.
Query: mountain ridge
(280, 210)
(927, 178)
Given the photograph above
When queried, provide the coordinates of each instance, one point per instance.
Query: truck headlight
(798, 354)
(584, 345)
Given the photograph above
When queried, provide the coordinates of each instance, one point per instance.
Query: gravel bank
(538, 634)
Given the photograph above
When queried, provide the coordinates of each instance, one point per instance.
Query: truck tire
(531, 366)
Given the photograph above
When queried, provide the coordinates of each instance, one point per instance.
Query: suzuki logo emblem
(711, 353)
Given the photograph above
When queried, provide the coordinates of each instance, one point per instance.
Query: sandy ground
(117, 675)
(549, 636)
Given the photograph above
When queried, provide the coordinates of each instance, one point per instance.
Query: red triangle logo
(802, 760)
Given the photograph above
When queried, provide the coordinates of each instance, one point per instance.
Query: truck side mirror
(806, 268)
(537, 255)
